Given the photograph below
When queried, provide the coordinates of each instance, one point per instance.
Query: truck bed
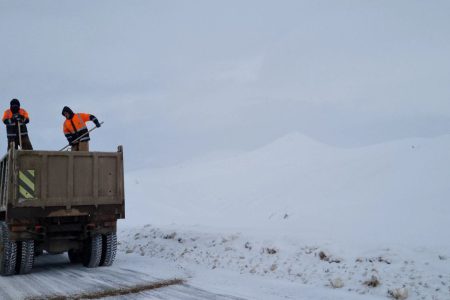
(72, 181)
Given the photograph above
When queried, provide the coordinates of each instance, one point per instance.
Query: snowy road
(53, 277)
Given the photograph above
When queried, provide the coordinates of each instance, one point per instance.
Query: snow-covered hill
(369, 221)
(397, 191)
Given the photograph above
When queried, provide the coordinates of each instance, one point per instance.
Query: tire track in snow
(113, 292)
(54, 277)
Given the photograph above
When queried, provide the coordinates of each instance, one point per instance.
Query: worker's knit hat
(14, 102)
(67, 109)
(14, 106)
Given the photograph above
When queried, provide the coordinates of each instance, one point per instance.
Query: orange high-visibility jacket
(76, 127)
(11, 123)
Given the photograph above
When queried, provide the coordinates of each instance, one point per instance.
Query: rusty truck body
(58, 201)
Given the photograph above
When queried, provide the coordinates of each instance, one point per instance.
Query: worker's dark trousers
(81, 146)
(26, 143)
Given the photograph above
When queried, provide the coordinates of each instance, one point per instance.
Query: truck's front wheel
(8, 251)
(92, 251)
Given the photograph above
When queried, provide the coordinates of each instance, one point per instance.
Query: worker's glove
(97, 123)
(18, 118)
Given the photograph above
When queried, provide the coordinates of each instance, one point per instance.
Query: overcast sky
(174, 80)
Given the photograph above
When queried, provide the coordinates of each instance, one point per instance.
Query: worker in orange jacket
(13, 118)
(75, 127)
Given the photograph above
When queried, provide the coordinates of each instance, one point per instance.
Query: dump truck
(59, 201)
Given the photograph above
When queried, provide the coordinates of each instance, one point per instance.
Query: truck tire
(25, 256)
(75, 256)
(93, 251)
(8, 252)
(109, 249)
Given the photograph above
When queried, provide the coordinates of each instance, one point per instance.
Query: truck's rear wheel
(25, 256)
(93, 251)
(109, 249)
(8, 252)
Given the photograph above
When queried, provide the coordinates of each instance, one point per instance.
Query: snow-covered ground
(296, 210)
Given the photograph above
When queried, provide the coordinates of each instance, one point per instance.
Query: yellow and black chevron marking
(26, 184)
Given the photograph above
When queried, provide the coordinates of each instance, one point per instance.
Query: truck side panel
(50, 178)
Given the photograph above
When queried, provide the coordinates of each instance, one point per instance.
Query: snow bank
(381, 273)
